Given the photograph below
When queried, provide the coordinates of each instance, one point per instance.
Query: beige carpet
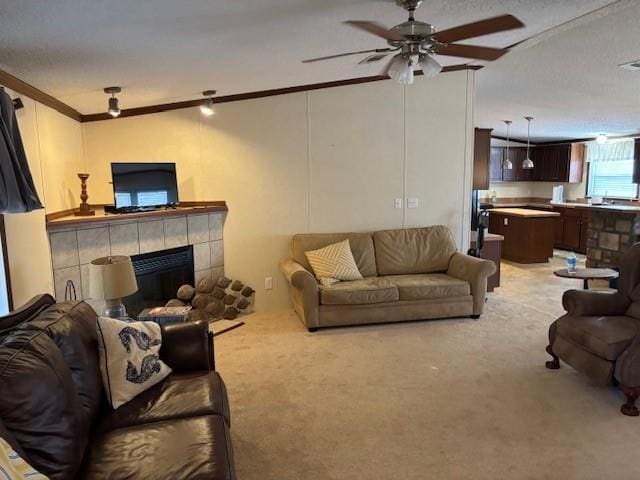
(452, 399)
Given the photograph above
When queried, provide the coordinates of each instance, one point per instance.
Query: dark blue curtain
(17, 191)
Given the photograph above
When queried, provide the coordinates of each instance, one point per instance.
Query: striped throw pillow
(13, 467)
(334, 263)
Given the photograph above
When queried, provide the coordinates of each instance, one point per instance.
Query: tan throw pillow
(13, 466)
(129, 358)
(334, 263)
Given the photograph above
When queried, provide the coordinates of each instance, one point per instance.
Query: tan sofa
(409, 274)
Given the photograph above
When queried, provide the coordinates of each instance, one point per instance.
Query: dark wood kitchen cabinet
(481, 154)
(552, 163)
(558, 163)
(496, 164)
(572, 229)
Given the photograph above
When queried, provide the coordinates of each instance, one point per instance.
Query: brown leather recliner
(54, 413)
(600, 334)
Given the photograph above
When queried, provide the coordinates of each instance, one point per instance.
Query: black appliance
(140, 186)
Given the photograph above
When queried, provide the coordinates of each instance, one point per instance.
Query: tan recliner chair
(600, 334)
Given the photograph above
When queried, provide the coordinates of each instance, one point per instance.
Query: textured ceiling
(568, 79)
(165, 51)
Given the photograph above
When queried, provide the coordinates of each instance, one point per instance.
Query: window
(611, 170)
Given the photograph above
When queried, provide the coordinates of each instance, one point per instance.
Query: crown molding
(132, 112)
(38, 95)
(23, 88)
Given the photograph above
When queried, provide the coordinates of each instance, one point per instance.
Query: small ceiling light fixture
(114, 109)
(528, 163)
(602, 138)
(507, 164)
(403, 65)
(207, 107)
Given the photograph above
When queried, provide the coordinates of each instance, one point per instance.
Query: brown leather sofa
(54, 413)
(600, 333)
(409, 274)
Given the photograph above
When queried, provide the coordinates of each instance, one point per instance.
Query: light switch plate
(505, 221)
(398, 203)
(412, 202)
(268, 283)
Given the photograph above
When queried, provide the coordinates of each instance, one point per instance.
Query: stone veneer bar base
(611, 234)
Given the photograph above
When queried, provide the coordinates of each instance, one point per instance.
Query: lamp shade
(112, 277)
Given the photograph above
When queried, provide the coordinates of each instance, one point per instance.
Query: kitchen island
(528, 234)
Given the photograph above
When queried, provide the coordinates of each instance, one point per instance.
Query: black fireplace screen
(159, 276)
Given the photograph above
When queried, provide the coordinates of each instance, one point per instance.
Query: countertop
(524, 212)
(546, 204)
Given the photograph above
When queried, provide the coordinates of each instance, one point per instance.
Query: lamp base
(114, 308)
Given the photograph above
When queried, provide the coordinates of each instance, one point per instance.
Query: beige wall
(326, 160)
(53, 144)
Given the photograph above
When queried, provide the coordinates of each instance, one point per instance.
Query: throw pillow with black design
(129, 358)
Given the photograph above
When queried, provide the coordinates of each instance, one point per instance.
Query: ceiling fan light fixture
(113, 108)
(429, 65)
(401, 68)
(207, 107)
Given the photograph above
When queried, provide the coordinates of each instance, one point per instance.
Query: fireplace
(159, 276)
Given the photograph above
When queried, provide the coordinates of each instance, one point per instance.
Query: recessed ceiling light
(602, 138)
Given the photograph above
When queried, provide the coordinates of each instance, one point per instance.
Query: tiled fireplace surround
(73, 248)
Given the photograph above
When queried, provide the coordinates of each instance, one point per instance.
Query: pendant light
(207, 107)
(114, 108)
(528, 163)
(507, 164)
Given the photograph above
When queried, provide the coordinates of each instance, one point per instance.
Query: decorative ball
(243, 304)
(237, 286)
(218, 293)
(200, 301)
(224, 282)
(175, 303)
(247, 291)
(229, 299)
(205, 286)
(186, 292)
(230, 313)
(214, 309)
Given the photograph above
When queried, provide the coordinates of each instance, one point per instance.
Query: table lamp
(110, 279)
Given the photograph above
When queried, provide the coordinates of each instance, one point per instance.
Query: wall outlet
(268, 283)
(412, 202)
(398, 203)
(505, 221)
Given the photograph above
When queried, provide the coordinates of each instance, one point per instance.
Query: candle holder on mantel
(85, 210)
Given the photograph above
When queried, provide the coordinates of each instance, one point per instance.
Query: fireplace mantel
(66, 219)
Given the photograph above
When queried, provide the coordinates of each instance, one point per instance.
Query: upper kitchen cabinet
(481, 154)
(558, 163)
(496, 161)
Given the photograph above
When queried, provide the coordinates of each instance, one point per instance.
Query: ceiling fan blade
(329, 57)
(477, 29)
(376, 29)
(471, 51)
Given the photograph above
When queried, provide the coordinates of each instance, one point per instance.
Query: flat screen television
(140, 185)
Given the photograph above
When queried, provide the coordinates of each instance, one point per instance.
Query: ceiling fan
(416, 42)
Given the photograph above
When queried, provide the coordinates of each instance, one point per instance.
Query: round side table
(586, 274)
